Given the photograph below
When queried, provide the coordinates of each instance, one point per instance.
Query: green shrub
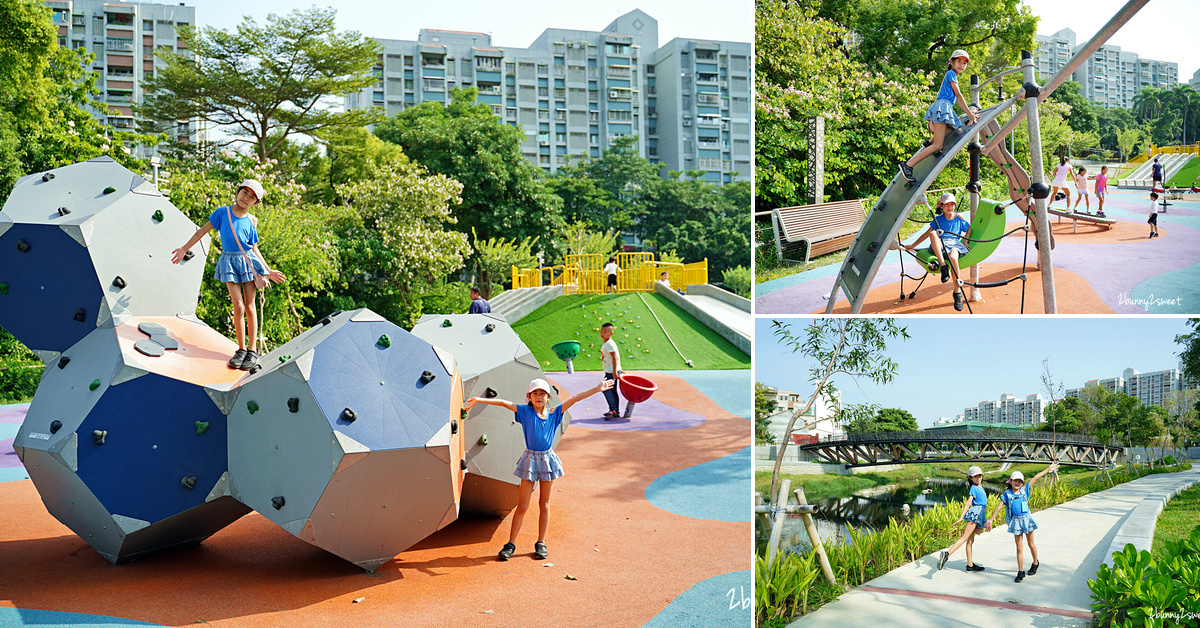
(1139, 591)
(737, 281)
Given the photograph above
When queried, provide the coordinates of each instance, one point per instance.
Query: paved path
(736, 319)
(1073, 540)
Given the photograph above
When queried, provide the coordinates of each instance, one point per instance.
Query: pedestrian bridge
(879, 448)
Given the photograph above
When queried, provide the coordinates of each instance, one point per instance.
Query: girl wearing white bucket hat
(1021, 523)
(940, 116)
(973, 512)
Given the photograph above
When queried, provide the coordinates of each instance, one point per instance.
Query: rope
(664, 329)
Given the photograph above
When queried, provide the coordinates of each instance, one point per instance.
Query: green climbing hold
(158, 215)
(447, 323)
(463, 413)
(384, 341)
(109, 190)
(3, 288)
(252, 407)
(1008, 165)
(201, 427)
(284, 358)
(483, 439)
(94, 385)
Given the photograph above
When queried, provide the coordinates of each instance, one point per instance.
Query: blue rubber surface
(728, 389)
(724, 600)
(151, 445)
(12, 617)
(46, 286)
(13, 474)
(718, 490)
(402, 412)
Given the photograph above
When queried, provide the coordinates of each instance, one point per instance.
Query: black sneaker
(906, 171)
(945, 273)
(976, 567)
(942, 560)
(506, 552)
(249, 360)
(539, 551)
(1033, 568)
(236, 361)
(1020, 576)
(958, 301)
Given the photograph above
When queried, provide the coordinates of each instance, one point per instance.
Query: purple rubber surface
(11, 418)
(649, 415)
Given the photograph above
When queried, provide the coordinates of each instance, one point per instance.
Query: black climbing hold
(427, 376)
(384, 341)
(926, 143)
(109, 190)
(22, 246)
(447, 323)
(46, 177)
(277, 502)
(188, 482)
(555, 389)
(489, 328)
(453, 427)
(80, 315)
(189, 255)
(293, 405)
(871, 247)
(55, 425)
(348, 415)
(850, 260)
(462, 464)
(63, 211)
(158, 215)
(1039, 190)
(98, 436)
(336, 312)
(937, 153)
(63, 361)
(256, 368)
(119, 282)
(880, 206)
(327, 320)
(974, 148)
(490, 393)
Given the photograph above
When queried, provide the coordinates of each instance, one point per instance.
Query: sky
(1163, 30)
(512, 24)
(951, 363)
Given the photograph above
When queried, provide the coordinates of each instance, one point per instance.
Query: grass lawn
(1184, 178)
(1177, 520)
(644, 346)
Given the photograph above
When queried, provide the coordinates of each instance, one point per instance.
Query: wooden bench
(821, 228)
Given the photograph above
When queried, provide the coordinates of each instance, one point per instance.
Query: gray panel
(488, 497)
(187, 528)
(72, 503)
(366, 519)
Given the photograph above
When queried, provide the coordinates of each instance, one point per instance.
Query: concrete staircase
(1141, 178)
(514, 305)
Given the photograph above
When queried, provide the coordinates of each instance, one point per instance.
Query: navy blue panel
(46, 286)
(152, 444)
(402, 412)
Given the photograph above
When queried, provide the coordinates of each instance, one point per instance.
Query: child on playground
(1081, 190)
(610, 357)
(951, 229)
(238, 265)
(940, 114)
(1101, 190)
(1153, 219)
(1021, 523)
(539, 463)
(1060, 182)
(611, 269)
(973, 513)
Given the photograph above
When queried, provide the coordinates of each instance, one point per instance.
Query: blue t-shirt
(246, 233)
(1156, 171)
(479, 306)
(539, 432)
(947, 92)
(978, 497)
(1016, 501)
(953, 229)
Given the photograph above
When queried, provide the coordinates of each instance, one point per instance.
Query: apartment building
(819, 417)
(1008, 410)
(1110, 77)
(1150, 388)
(575, 92)
(1195, 82)
(123, 36)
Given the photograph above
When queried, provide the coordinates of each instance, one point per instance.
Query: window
(510, 68)
(147, 26)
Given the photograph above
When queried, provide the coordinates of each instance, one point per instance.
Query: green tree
(1128, 141)
(1083, 112)
(764, 407)
(853, 347)
(263, 84)
(495, 258)
(581, 238)
(1189, 356)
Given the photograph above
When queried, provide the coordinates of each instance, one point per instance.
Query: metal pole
(815, 539)
(777, 529)
(974, 187)
(1063, 74)
(1038, 183)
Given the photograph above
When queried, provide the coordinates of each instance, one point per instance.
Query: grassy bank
(1176, 520)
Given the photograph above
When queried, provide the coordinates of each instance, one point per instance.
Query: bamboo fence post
(815, 539)
(780, 514)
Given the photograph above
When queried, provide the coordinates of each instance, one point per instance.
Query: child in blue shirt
(946, 234)
(1021, 523)
(973, 512)
(940, 114)
(539, 462)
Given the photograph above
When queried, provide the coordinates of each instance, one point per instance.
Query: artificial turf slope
(644, 346)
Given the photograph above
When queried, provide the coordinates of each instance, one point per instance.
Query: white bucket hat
(960, 53)
(254, 186)
(1017, 475)
(974, 471)
(947, 198)
(540, 384)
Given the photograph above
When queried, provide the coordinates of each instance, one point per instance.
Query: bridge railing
(960, 435)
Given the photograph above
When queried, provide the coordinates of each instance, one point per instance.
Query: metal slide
(887, 216)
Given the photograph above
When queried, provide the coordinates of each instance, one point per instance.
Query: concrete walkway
(1073, 539)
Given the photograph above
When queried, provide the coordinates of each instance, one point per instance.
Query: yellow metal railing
(584, 274)
(1189, 149)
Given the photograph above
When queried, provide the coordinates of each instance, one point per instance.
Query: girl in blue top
(1020, 517)
(946, 234)
(940, 114)
(239, 250)
(973, 514)
(539, 462)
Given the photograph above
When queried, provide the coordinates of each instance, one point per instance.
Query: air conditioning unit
(687, 123)
(614, 94)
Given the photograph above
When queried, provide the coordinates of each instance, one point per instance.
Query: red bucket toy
(636, 388)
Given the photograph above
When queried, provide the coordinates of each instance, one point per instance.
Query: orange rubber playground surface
(640, 535)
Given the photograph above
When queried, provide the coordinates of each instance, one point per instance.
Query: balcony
(618, 71)
(112, 44)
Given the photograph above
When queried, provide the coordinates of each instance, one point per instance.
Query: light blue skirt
(232, 267)
(976, 515)
(943, 111)
(539, 466)
(1022, 525)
